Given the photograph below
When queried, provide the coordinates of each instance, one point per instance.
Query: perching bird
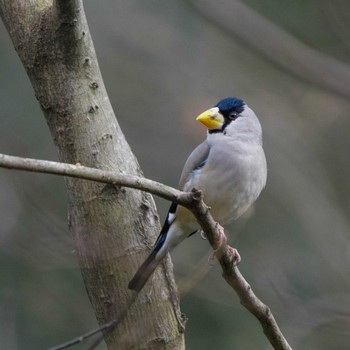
(229, 167)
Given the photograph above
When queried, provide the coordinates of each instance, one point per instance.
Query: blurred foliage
(163, 64)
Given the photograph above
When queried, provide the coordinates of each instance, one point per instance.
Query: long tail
(149, 265)
(156, 255)
(144, 272)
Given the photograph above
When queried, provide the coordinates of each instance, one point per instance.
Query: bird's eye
(233, 115)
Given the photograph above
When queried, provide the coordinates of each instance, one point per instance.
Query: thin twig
(96, 343)
(85, 336)
(191, 200)
(107, 327)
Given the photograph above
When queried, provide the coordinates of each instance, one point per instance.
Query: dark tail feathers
(152, 261)
(144, 272)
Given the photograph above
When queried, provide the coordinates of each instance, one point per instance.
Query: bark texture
(112, 226)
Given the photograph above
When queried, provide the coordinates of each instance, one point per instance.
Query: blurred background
(164, 63)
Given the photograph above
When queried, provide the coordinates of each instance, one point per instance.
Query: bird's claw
(203, 235)
(236, 256)
(233, 251)
(222, 237)
(220, 243)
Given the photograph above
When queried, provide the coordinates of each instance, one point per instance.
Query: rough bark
(112, 227)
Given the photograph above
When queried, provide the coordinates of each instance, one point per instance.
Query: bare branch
(82, 172)
(234, 17)
(104, 328)
(193, 201)
(85, 336)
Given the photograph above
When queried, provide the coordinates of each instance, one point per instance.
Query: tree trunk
(112, 227)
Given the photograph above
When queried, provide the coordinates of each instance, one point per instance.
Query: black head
(231, 107)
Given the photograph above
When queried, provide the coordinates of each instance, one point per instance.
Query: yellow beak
(211, 118)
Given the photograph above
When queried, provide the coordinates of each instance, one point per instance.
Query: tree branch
(278, 46)
(85, 336)
(87, 173)
(108, 327)
(191, 200)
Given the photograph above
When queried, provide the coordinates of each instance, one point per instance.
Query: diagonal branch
(278, 46)
(191, 200)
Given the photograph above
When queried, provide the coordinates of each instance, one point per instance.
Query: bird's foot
(236, 256)
(219, 244)
(221, 237)
(203, 235)
(233, 251)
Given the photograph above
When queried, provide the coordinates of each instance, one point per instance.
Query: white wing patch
(171, 218)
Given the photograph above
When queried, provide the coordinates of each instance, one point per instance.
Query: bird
(230, 170)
